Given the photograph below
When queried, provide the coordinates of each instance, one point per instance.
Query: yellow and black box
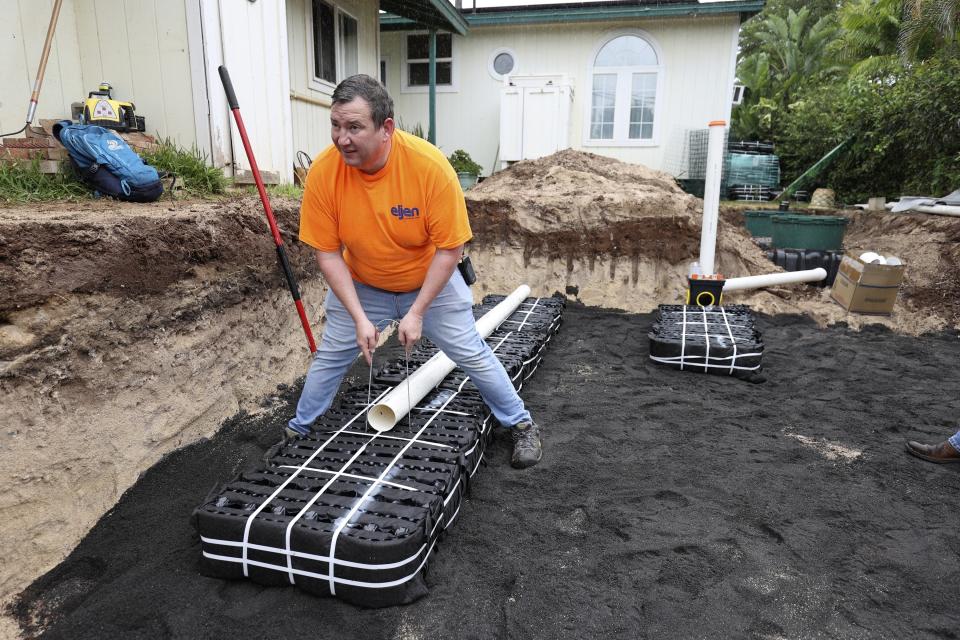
(705, 291)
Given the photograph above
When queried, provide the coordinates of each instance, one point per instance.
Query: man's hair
(363, 86)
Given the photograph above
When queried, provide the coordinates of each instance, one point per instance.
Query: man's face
(360, 143)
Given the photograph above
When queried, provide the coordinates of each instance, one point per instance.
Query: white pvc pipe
(938, 209)
(771, 279)
(711, 197)
(384, 415)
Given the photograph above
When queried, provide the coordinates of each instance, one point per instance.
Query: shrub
(906, 133)
(463, 163)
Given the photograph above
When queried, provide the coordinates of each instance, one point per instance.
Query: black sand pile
(669, 505)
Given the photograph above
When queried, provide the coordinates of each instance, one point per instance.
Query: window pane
(418, 46)
(419, 73)
(444, 73)
(348, 45)
(626, 51)
(602, 106)
(324, 61)
(444, 45)
(503, 63)
(643, 96)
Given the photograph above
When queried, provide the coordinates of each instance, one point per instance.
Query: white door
(250, 38)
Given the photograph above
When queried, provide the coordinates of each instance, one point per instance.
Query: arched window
(624, 77)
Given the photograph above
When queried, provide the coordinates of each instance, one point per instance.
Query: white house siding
(139, 47)
(696, 61)
(310, 100)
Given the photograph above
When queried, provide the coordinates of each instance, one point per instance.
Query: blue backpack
(107, 163)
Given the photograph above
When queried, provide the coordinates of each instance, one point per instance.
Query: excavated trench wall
(125, 333)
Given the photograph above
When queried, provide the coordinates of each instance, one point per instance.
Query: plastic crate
(349, 512)
(718, 340)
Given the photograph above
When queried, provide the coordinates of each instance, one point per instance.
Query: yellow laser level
(102, 110)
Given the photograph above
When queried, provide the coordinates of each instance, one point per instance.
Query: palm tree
(929, 27)
(789, 50)
(868, 35)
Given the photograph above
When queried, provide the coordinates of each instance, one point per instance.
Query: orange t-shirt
(389, 223)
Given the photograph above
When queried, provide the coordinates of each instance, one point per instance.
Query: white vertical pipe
(770, 279)
(711, 197)
(384, 415)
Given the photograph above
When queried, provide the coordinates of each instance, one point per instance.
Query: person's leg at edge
(337, 351)
(954, 441)
(450, 324)
(947, 451)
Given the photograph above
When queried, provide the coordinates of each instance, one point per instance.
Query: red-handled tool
(281, 251)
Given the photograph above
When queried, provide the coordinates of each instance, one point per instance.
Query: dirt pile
(127, 331)
(620, 235)
(930, 247)
(610, 233)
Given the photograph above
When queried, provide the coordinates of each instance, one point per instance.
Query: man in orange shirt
(386, 215)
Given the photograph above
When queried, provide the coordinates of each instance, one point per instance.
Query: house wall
(138, 47)
(698, 74)
(309, 98)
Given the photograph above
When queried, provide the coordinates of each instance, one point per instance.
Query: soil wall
(127, 332)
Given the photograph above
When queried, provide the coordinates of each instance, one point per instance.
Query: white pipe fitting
(384, 415)
(711, 196)
(771, 279)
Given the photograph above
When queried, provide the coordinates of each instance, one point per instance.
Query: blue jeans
(449, 323)
(954, 441)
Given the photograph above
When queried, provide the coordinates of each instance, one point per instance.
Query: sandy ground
(669, 505)
(130, 331)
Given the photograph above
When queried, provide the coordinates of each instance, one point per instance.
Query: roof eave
(555, 15)
(437, 14)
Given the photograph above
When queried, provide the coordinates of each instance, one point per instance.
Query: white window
(502, 62)
(625, 76)
(333, 33)
(738, 94)
(416, 66)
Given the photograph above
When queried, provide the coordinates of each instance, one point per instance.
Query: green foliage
(869, 30)
(193, 173)
(22, 181)
(417, 129)
(905, 126)
(930, 28)
(463, 163)
(292, 191)
(882, 71)
(789, 51)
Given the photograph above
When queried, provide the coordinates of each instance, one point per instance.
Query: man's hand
(367, 336)
(411, 326)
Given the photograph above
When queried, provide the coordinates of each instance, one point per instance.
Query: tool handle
(228, 88)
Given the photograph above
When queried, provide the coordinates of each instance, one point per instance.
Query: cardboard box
(867, 288)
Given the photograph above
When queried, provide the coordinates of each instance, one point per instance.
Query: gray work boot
(527, 449)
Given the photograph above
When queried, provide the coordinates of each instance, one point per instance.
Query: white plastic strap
(732, 340)
(683, 337)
